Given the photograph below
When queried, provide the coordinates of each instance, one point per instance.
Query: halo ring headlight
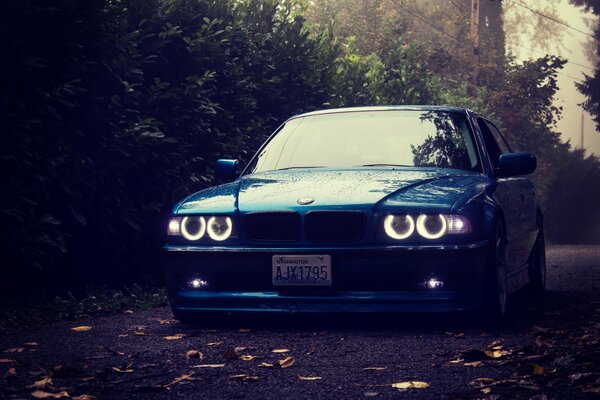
(190, 235)
(425, 231)
(399, 226)
(219, 228)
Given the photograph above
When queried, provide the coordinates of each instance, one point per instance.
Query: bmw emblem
(305, 200)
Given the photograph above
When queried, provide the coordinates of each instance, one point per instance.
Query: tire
(495, 302)
(537, 266)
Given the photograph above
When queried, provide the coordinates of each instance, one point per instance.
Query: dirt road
(548, 349)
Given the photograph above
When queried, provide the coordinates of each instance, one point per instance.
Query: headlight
(399, 226)
(431, 226)
(193, 228)
(428, 226)
(219, 228)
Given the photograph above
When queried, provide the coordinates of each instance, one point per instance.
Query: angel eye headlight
(193, 228)
(219, 228)
(432, 226)
(399, 226)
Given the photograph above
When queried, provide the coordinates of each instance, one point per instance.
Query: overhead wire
(440, 30)
(541, 14)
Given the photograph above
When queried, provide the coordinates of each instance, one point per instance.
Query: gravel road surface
(548, 349)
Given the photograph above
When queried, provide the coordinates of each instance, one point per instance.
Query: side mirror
(226, 170)
(515, 164)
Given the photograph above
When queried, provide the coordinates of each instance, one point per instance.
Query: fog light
(197, 283)
(433, 283)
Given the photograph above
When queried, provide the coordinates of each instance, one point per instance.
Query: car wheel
(537, 266)
(495, 288)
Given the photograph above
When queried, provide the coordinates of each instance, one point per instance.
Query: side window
(498, 137)
(494, 143)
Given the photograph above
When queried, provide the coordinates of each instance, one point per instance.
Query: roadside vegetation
(110, 111)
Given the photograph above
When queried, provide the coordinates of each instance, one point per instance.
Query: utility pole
(475, 40)
(582, 150)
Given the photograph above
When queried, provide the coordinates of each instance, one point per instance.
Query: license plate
(305, 270)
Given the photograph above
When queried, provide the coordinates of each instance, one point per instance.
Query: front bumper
(366, 279)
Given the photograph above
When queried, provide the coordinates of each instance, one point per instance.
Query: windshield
(371, 138)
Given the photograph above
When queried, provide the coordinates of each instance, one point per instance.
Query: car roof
(383, 108)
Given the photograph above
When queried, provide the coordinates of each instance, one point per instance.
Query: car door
(509, 195)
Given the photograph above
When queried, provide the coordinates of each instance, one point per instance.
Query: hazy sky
(572, 48)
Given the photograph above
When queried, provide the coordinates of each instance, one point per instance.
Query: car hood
(335, 189)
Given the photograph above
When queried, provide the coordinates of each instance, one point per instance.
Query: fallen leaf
(7, 360)
(247, 357)
(122, 370)
(496, 353)
(14, 350)
(457, 361)
(30, 344)
(194, 354)
(473, 364)
(309, 378)
(81, 328)
(538, 369)
(177, 336)
(208, 366)
(482, 381)
(243, 378)
(128, 312)
(243, 330)
(84, 397)
(214, 343)
(164, 321)
(40, 394)
(265, 365)
(286, 362)
(374, 368)
(371, 394)
(41, 384)
(122, 335)
(182, 378)
(280, 351)
(10, 373)
(231, 354)
(410, 385)
(486, 390)
(140, 332)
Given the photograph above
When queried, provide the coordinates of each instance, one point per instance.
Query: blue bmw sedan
(369, 209)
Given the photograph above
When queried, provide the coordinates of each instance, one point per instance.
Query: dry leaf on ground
(214, 343)
(247, 357)
(41, 384)
(40, 394)
(208, 366)
(81, 328)
(176, 336)
(243, 378)
(11, 373)
(84, 397)
(194, 354)
(265, 365)
(374, 368)
(309, 378)
(410, 385)
(286, 362)
(7, 360)
(179, 379)
(280, 351)
(14, 350)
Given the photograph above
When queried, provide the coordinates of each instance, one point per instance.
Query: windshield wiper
(283, 169)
